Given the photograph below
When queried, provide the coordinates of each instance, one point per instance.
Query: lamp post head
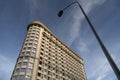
(60, 13)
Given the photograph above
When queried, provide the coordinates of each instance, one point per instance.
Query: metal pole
(109, 58)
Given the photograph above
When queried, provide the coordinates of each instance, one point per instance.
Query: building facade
(44, 57)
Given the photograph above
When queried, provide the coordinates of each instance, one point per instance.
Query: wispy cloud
(75, 27)
(101, 69)
(89, 4)
(33, 5)
(6, 67)
(77, 18)
(83, 47)
(105, 71)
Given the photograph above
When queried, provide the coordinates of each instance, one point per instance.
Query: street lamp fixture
(109, 58)
(60, 13)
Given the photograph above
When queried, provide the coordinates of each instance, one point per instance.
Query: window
(37, 34)
(34, 49)
(17, 70)
(39, 74)
(41, 58)
(26, 41)
(32, 36)
(40, 68)
(28, 52)
(40, 62)
(45, 76)
(34, 26)
(32, 59)
(30, 64)
(45, 65)
(19, 64)
(37, 31)
(23, 53)
(25, 44)
(26, 58)
(36, 41)
(28, 37)
(41, 52)
(28, 48)
(45, 70)
(24, 64)
(21, 77)
(32, 54)
(29, 33)
(23, 70)
(27, 77)
(33, 33)
(14, 77)
(38, 28)
(21, 58)
(29, 71)
(36, 37)
(30, 44)
(31, 40)
(35, 44)
(24, 48)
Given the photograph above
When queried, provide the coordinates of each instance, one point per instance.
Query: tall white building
(44, 57)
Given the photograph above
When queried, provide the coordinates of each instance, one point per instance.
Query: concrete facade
(44, 57)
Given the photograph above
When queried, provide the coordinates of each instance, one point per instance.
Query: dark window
(34, 49)
(23, 70)
(21, 77)
(39, 68)
(28, 48)
(41, 58)
(31, 39)
(19, 64)
(28, 52)
(41, 53)
(39, 74)
(40, 62)
(29, 71)
(24, 64)
(26, 58)
(17, 70)
(14, 77)
(30, 43)
(21, 58)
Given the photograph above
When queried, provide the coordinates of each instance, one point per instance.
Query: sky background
(71, 28)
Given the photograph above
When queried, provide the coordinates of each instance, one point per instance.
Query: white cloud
(99, 68)
(6, 67)
(83, 47)
(74, 30)
(96, 65)
(77, 17)
(102, 73)
(89, 4)
(106, 70)
(33, 5)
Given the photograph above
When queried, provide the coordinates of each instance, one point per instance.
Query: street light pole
(109, 58)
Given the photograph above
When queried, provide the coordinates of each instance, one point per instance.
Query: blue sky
(71, 28)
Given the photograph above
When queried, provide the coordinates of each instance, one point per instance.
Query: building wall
(48, 57)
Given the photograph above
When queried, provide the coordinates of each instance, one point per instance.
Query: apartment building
(44, 57)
